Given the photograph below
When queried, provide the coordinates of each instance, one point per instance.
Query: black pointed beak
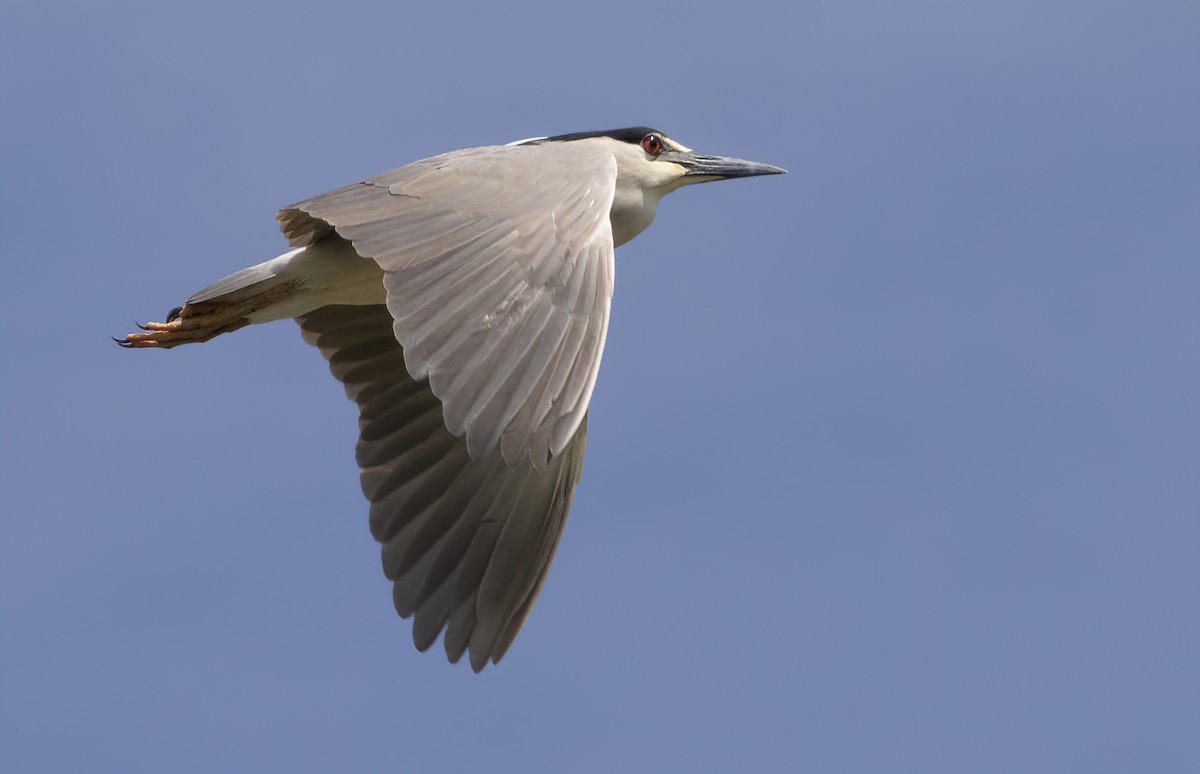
(719, 167)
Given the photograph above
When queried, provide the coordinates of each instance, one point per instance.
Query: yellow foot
(189, 324)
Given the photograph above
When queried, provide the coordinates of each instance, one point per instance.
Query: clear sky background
(893, 464)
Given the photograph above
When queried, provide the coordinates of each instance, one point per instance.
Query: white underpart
(329, 272)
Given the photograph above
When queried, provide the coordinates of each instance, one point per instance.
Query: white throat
(641, 183)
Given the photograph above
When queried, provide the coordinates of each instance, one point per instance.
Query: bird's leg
(199, 322)
(190, 324)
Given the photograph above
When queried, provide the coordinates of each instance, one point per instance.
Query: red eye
(652, 144)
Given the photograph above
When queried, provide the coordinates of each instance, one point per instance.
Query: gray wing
(467, 542)
(498, 265)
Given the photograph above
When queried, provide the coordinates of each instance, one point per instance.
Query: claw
(202, 322)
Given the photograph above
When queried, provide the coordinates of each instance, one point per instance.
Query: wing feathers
(466, 541)
(487, 275)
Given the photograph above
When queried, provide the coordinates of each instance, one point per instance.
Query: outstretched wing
(467, 541)
(498, 265)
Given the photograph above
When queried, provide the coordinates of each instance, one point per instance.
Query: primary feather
(466, 541)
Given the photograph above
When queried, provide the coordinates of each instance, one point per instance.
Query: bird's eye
(652, 144)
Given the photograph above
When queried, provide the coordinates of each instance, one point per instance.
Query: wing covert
(498, 266)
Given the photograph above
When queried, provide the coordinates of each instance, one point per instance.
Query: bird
(463, 302)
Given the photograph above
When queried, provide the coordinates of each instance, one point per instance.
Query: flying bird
(463, 302)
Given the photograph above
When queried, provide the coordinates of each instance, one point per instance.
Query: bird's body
(463, 300)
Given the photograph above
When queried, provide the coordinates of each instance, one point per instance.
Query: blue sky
(892, 462)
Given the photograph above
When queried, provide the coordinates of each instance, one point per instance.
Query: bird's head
(650, 160)
(651, 165)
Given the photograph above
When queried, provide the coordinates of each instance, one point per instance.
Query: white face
(638, 166)
(642, 179)
(650, 167)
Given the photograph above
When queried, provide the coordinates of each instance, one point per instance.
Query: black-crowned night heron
(463, 301)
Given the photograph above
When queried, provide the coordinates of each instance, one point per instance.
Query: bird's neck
(632, 211)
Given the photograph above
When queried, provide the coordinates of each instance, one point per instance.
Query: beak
(718, 167)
